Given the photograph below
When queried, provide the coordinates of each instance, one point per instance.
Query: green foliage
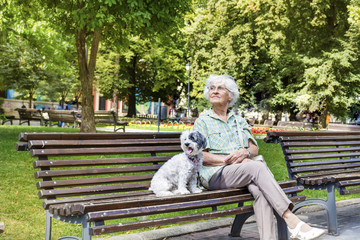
(283, 54)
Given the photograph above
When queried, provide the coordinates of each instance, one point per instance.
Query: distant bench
(294, 124)
(28, 114)
(108, 194)
(65, 116)
(342, 127)
(322, 160)
(103, 116)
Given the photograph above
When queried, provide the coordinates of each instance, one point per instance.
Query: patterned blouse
(222, 137)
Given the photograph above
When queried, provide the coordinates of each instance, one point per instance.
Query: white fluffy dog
(181, 170)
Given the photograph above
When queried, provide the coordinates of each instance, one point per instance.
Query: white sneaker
(312, 234)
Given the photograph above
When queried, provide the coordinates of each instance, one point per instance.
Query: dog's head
(192, 142)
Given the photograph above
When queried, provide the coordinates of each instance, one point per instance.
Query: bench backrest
(93, 164)
(102, 116)
(67, 116)
(312, 155)
(294, 124)
(27, 113)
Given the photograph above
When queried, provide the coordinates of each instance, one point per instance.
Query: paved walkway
(348, 213)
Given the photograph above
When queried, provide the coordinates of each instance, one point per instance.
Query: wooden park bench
(103, 116)
(28, 114)
(57, 116)
(294, 124)
(108, 192)
(9, 119)
(322, 160)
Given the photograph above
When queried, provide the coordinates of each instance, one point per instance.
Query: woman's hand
(238, 156)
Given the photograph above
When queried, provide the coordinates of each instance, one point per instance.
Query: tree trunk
(115, 91)
(132, 89)
(323, 115)
(86, 73)
(115, 102)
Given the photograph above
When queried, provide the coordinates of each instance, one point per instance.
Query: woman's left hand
(238, 156)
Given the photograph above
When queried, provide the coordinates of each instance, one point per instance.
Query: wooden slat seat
(96, 179)
(322, 160)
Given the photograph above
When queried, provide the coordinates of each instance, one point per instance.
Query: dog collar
(193, 159)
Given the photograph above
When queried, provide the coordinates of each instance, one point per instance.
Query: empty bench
(101, 181)
(103, 116)
(322, 160)
(58, 116)
(26, 115)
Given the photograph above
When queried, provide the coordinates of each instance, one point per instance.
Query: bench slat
(98, 162)
(326, 162)
(94, 171)
(93, 181)
(323, 168)
(320, 138)
(52, 202)
(349, 183)
(24, 137)
(93, 190)
(319, 143)
(102, 151)
(321, 156)
(328, 173)
(350, 191)
(44, 144)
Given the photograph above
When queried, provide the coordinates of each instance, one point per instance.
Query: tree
(34, 54)
(287, 55)
(146, 70)
(87, 21)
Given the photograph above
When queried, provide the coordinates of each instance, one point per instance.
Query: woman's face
(219, 95)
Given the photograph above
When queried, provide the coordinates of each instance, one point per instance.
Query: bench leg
(48, 226)
(85, 230)
(238, 224)
(329, 206)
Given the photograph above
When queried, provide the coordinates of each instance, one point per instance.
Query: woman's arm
(242, 155)
(213, 160)
(238, 156)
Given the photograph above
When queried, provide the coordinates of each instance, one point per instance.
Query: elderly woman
(228, 161)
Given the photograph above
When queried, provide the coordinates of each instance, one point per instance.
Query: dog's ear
(202, 140)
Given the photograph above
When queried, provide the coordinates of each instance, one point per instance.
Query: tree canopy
(283, 54)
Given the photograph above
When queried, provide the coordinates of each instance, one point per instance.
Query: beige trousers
(266, 191)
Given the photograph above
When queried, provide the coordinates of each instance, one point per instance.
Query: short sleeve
(200, 126)
(247, 130)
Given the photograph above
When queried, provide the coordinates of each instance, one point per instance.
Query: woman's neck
(221, 112)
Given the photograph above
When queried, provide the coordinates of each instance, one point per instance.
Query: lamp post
(188, 108)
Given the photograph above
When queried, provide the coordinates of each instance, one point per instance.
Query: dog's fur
(181, 170)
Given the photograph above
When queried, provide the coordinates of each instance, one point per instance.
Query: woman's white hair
(229, 83)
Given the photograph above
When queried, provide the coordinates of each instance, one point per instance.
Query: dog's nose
(187, 144)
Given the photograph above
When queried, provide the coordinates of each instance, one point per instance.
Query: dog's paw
(196, 190)
(181, 191)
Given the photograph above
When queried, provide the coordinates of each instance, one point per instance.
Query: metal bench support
(329, 205)
(76, 220)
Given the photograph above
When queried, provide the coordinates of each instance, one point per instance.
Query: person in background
(229, 165)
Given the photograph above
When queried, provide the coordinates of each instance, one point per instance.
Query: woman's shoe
(296, 233)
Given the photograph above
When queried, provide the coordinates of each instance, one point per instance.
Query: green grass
(21, 210)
